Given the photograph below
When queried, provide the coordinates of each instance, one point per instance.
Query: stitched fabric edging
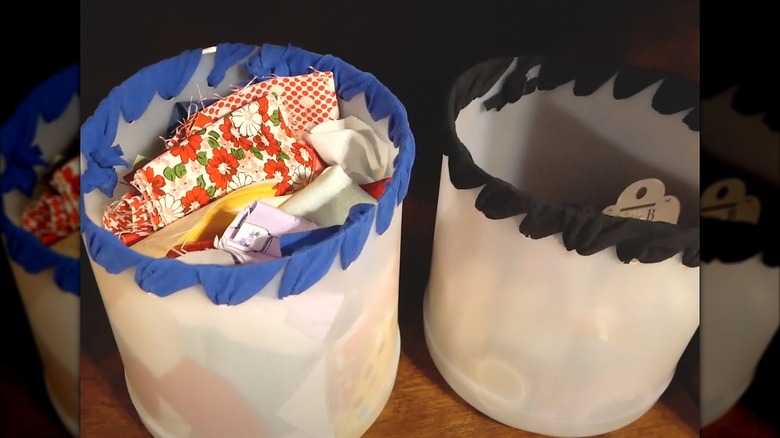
(229, 285)
(583, 229)
(20, 157)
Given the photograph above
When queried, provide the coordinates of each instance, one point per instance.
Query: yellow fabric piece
(209, 221)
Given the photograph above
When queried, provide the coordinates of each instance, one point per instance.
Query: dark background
(36, 45)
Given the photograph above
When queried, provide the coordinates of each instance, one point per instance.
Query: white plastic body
(537, 337)
(319, 364)
(739, 317)
(53, 314)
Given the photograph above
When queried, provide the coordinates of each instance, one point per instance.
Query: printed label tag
(646, 200)
(728, 200)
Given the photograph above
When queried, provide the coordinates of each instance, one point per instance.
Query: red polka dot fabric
(309, 100)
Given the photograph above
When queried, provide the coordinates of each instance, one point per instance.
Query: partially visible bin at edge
(548, 308)
(740, 272)
(40, 131)
(306, 345)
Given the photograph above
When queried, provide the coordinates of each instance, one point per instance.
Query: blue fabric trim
(359, 220)
(166, 78)
(163, 276)
(226, 56)
(54, 96)
(48, 101)
(230, 285)
(386, 206)
(96, 236)
(309, 264)
(20, 165)
(234, 285)
(292, 242)
(97, 137)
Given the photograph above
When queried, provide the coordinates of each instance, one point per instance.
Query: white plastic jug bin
(740, 277)
(304, 346)
(550, 329)
(47, 278)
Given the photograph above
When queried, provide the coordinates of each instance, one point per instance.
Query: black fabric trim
(584, 229)
(731, 242)
(756, 92)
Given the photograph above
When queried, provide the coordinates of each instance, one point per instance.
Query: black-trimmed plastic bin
(740, 272)
(563, 288)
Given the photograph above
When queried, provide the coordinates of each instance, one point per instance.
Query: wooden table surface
(742, 422)
(756, 414)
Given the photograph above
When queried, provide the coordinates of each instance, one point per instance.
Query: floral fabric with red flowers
(249, 144)
(55, 214)
(310, 99)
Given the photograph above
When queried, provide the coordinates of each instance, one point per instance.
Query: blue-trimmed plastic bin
(41, 128)
(304, 346)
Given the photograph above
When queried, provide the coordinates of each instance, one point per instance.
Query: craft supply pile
(52, 214)
(251, 176)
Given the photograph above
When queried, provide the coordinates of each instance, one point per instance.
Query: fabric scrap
(355, 146)
(55, 214)
(207, 223)
(254, 234)
(309, 98)
(248, 145)
(328, 199)
(212, 256)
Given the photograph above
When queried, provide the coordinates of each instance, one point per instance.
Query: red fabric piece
(377, 188)
(55, 214)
